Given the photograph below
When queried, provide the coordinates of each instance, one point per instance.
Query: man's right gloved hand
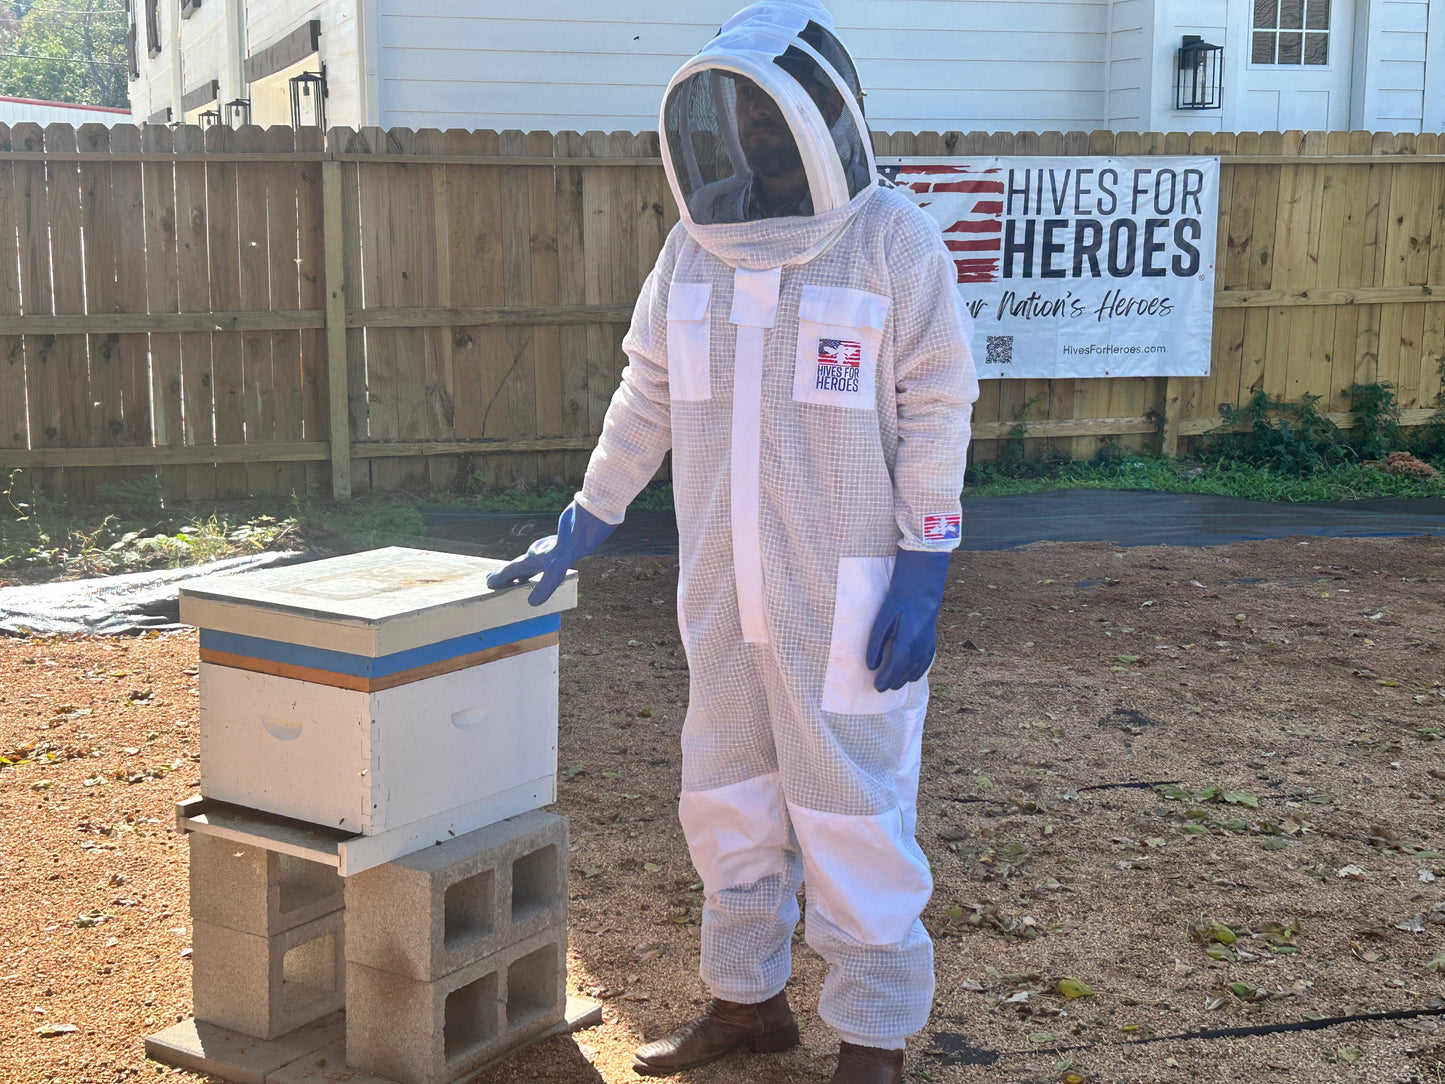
(579, 532)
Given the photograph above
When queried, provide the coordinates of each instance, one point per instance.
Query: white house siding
(1173, 20)
(214, 47)
(927, 64)
(1130, 47)
(268, 21)
(23, 110)
(1395, 72)
(206, 41)
(155, 90)
(1435, 70)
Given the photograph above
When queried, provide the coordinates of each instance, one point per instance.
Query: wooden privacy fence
(213, 307)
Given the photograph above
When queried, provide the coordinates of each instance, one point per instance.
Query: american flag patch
(839, 365)
(839, 352)
(942, 526)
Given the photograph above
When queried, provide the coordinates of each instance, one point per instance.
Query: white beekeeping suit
(811, 374)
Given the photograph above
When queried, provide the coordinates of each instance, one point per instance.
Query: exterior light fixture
(308, 100)
(238, 112)
(1199, 83)
(209, 117)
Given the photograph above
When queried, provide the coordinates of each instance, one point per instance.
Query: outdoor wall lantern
(209, 117)
(238, 112)
(1200, 80)
(308, 100)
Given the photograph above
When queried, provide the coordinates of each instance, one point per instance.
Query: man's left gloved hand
(579, 532)
(905, 632)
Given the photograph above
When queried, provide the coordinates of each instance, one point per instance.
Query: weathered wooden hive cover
(378, 691)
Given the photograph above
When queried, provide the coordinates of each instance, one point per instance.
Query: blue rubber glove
(579, 532)
(905, 632)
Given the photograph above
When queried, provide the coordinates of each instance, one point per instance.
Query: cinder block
(445, 907)
(267, 986)
(257, 891)
(434, 1032)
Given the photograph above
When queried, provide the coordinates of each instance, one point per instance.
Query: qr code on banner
(1000, 350)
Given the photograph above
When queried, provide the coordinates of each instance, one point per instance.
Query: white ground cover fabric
(113, 604)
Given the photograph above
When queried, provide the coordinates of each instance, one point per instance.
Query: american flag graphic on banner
(975, 201)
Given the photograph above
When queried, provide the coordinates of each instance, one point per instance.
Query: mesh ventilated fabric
(827, 357)
(873, 995)
(834, 483)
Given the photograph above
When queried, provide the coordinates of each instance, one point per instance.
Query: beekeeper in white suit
(801, 350)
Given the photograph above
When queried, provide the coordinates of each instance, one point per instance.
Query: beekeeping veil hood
(774, 63)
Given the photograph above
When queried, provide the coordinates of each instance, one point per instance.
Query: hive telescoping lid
(370, 604)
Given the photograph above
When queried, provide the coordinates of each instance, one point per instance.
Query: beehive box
(382, 692)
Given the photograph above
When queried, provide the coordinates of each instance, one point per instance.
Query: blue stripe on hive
(340, 662)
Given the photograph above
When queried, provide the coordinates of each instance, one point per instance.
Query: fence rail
(261, 310)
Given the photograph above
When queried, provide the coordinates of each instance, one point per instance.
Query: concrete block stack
(378, 732)
(268, 938)
(458, 953)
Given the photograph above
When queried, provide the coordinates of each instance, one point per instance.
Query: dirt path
(1291, 691)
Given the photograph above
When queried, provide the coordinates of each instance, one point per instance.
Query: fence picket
(193, 294)
(403, 203)
(14, 429)
(158, 226)
(1372, 269)
(348, 141)
(1296, 261)
(69, 391)
(519, 387)
(284, 281)
(1333, 212)
(548, 387)
(311, 294)
(572, 290)
(474, 225)
(105, 413)
(127, 200)
(1415, 219)
(1432, 340)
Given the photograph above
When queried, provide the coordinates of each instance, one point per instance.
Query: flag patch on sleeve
(838, 365)
(942, 526)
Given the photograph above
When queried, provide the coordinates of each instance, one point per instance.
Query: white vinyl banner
(1078, 267)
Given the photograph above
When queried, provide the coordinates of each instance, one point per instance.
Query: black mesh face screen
(737, 154)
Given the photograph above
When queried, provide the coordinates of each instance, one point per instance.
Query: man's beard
(773, 159)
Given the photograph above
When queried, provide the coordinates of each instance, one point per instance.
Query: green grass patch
(127, 529)
(130, 528)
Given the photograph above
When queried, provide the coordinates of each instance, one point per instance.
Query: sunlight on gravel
(1164, 790)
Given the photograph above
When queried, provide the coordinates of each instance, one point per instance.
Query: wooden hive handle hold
(281, 729)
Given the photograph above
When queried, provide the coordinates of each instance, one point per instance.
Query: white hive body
(377, 691)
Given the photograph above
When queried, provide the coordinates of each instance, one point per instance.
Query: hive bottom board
(309, 1055)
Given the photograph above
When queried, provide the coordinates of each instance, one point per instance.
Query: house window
(153, 28)
(1291, 32)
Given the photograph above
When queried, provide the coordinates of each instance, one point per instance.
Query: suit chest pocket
(840, 331)
(689, 345)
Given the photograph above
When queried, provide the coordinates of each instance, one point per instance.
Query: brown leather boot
(868, 1065)
(724, 1026)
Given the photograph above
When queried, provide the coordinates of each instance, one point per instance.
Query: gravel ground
(1134, 756)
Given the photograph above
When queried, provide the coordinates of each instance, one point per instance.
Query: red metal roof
(64, 105)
